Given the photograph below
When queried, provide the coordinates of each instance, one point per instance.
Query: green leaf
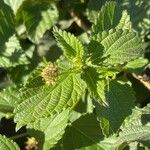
(71, 46)
(52, 127)
(6, 25)
(8, 101)
(92, 147)
(95, 52)
(120, 99)
(14, 4)
(136, 64)
(137, 127)
(83, 132)
(105, 18)
(38, 17)
(125, 22)
(91, 76)
(102, 87)
(120, 46)
(109, 143)
(44, 101)
(13, 54)
(7, 144)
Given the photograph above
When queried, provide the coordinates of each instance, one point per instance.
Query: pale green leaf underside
(71, 46)
(120, 99)
(13, 54)
(120, 46)
(7, 144)
(138, 127)
(49, 100)
(137, 63)
(14, 4)
(125, 22)
(109, 143)
(53, 128)
(38, 18)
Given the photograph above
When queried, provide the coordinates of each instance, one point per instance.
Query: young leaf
(120, 99)
(137, 127)
(38, 17)
(7, 144)
(105, 19)
(52, 127)
(120, 46)
(109, 143)
(71, 46)
(49, 100)
(125, 22)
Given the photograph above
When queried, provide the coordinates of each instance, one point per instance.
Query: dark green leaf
(120, 99)
(83, 132)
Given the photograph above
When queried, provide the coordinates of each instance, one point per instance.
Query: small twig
(140, 78)
(18, 136)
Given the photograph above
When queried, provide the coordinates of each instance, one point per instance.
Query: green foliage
(119, 46)
(13, 54)
(83, 132)
(125, 22)
(7, 144)
(38, 17)
(74, 89)
(6, 24)
(120, 95)
(8, 101)
(71, 46)
(137, 128)
(139, 14)
(105, 19)
(54, 126)
(14, 4)
(49, 100)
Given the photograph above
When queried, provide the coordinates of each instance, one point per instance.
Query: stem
(18, 136)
